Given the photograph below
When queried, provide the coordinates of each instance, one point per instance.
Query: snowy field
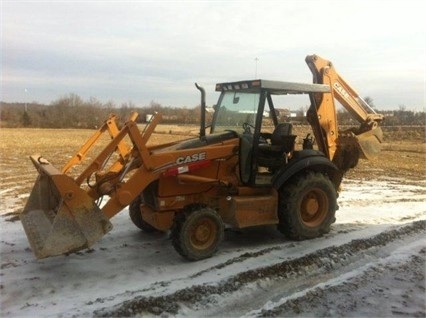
(372, 263)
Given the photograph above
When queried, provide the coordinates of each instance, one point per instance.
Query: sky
(154, 51)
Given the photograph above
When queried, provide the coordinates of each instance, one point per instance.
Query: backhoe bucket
(369, 143)
(59, 216)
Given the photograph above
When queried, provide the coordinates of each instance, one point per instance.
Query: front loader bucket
(59, 216)
(369, 143)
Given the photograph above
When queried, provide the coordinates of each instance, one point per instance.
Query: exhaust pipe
(203, 110)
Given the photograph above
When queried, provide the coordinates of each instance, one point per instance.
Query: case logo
(191, 158)
(341, 90)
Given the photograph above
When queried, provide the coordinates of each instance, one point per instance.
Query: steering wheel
(247, 128)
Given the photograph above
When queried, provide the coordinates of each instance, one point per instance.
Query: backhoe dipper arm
(322, 114)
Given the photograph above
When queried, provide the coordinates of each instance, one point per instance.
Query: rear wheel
(307, 207)
(197, 233)
(136, 217)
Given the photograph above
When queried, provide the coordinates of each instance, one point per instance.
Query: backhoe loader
(236, 173)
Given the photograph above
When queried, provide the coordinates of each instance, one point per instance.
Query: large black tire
(136, 217)
(197, 232)
(307, 206)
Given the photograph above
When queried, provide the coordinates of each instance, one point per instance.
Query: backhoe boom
(341, 147)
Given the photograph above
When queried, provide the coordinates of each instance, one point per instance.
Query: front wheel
(197, 232)
(136, 217)
(307, 206)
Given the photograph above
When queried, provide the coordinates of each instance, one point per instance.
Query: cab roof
(273, 87)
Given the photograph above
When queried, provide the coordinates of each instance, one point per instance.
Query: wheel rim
(314, 207)
(203, 234)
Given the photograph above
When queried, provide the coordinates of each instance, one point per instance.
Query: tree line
(73, 112)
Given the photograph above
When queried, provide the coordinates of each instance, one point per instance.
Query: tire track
(350, 287)
(326, 259)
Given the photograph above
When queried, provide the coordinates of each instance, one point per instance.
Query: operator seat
(280, 142)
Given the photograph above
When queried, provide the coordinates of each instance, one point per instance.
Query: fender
(304, 160)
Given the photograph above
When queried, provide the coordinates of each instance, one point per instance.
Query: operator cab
(266, 143)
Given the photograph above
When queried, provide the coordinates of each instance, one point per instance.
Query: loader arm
(343, 148)
(109, 125)
(61, 216)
